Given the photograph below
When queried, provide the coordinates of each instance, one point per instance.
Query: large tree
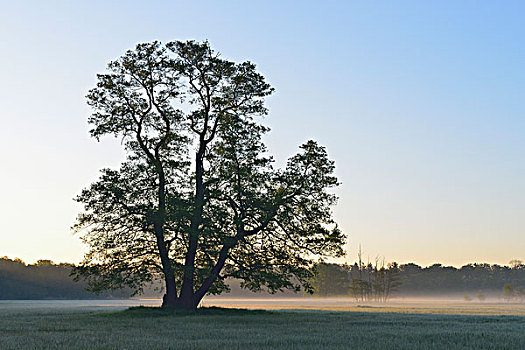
(197, 199)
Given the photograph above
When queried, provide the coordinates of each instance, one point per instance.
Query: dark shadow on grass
(152, 311)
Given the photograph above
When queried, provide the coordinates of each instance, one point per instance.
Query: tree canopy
(198, 199)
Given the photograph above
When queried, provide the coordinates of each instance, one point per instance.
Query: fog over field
(440, 305)
(449, 306)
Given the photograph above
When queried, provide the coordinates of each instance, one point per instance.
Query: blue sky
(421, 105)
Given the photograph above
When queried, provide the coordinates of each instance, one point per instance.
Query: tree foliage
(198, 199)
(330, 279)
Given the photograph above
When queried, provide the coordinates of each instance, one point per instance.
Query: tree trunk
(187, 289)
(187, 303)
(170, 297)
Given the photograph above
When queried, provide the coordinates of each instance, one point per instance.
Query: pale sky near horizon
(421, 104)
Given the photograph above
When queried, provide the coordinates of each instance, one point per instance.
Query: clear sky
(420, 103)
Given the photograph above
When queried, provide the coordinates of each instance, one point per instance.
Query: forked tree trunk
(190, 301)
(187, 299)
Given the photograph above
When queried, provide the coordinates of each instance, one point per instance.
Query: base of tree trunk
(178, 304)
(169, 301)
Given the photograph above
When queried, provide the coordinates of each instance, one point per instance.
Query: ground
(24, 327)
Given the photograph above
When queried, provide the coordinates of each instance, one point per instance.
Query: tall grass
(144, 328)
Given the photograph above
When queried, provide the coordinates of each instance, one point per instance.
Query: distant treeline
(439, 279)
(370, 281)
(44, 280)
(379, 281)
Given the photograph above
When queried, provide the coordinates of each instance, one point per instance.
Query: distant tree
(374, 282)
(330, 279)
(360, 289)
(392, 280)
(197, 199)
(44, 263)
(508, 292)
(520, 293)
(481, 296)
(516, 264)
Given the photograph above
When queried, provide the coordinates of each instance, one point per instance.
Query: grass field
(447, 306)
(146, 328)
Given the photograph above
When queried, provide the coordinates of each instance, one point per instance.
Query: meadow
(90, 327)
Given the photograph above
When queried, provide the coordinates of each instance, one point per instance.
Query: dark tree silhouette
(197, 199)
(330, 279)
(374, 282)
(43, 280)
(508, 292)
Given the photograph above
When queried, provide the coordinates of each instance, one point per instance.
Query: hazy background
(421, 105)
